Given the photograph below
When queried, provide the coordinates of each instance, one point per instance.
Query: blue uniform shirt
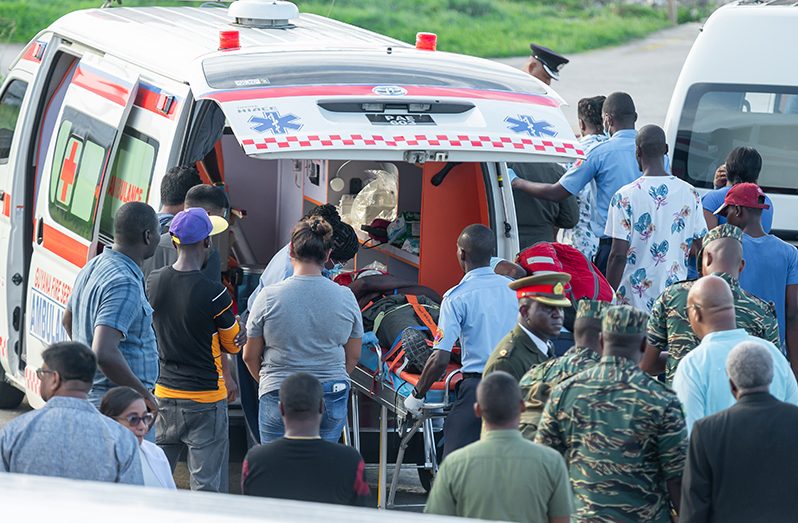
(279, 269)
(612, 164)
(480, 311)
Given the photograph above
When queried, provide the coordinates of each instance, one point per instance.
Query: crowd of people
(677, 400)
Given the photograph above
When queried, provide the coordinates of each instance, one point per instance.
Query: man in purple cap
(194, 322)
(771, 264)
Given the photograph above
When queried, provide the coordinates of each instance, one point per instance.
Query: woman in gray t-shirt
(305, 323)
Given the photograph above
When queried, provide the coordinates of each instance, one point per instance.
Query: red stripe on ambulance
(101, 85)
(64, 246)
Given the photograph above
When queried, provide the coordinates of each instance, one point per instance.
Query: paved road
(647, 69)
(8, 52)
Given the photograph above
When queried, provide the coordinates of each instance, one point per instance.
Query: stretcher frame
(373, 386)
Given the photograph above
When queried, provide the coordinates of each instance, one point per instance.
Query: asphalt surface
(647, 69)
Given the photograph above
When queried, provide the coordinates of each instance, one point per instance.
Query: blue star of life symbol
(527, 124)
(275, 123)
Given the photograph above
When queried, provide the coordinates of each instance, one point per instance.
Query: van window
(81, 153)
(365, 68)
(10, 103)
(130, 177)
(717, 118)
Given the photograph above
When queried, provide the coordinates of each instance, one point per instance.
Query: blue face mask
(332, 272)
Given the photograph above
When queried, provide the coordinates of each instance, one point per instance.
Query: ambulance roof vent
(263, 13)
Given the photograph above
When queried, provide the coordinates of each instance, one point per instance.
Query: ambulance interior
(425, 219)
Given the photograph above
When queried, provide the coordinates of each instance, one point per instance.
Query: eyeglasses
(134, 420)
(40, 373)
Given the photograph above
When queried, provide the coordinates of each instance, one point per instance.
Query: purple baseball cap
(194, 225)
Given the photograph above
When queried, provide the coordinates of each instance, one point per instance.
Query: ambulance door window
(80, 158)
(10, 103)
(130, 177)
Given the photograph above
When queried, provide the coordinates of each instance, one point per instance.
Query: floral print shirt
(659, 216)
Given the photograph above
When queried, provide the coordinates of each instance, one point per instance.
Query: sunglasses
(134, 420)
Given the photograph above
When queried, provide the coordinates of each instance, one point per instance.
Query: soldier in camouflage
(537, 383)
(669, 328)
(621, 431)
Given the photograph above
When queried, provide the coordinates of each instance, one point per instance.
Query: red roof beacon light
(228, 40)
(426, 41)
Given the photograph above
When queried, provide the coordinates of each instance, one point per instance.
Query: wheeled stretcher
(385, 381)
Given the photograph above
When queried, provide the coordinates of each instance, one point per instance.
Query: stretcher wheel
(426, 478)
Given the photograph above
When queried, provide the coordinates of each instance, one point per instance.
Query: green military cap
(624, 319)
(548, 288)
(591, 309)
(725, 230)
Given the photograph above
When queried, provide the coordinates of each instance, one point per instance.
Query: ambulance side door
(14, 100)
(86, 139)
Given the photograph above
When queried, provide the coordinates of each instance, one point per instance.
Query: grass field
(491, 28)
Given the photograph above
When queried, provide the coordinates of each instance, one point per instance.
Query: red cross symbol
(68, 169)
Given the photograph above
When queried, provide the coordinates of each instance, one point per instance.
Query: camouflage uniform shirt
(537, 383)
(669, 328)
(623, 436)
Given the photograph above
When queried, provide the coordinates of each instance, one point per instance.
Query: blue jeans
(332, 421)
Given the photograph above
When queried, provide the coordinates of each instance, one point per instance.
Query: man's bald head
(710, 306)
(723, 255)
(476, 245)
(651, 143)
(620, 108)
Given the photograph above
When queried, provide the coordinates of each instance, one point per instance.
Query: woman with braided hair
(286, 335)
(591, 128)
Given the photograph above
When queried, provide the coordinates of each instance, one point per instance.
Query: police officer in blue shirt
(612, 164)
(479, 311)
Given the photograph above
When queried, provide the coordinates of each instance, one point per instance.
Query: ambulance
(738, 88)
(286, 110)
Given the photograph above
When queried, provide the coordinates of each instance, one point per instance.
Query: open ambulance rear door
(400, 104)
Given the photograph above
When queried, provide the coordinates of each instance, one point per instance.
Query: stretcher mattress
(401, 381)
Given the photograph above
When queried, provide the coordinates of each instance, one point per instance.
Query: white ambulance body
(101, 104)
(739, 86)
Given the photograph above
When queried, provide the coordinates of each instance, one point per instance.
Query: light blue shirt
(701, 382)
(279, 269)
(479, 311)
(612, 164)
(69, 438)
(771, 264)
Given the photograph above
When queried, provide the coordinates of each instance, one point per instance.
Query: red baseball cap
(744, 195)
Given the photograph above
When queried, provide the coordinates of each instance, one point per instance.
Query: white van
(104, 101)
(739, 86)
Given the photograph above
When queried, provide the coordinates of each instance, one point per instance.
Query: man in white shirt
(653, 223)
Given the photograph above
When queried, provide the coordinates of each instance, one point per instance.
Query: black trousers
(603, 255)
(462, 426)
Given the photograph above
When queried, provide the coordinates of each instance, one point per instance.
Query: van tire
(10, 396)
